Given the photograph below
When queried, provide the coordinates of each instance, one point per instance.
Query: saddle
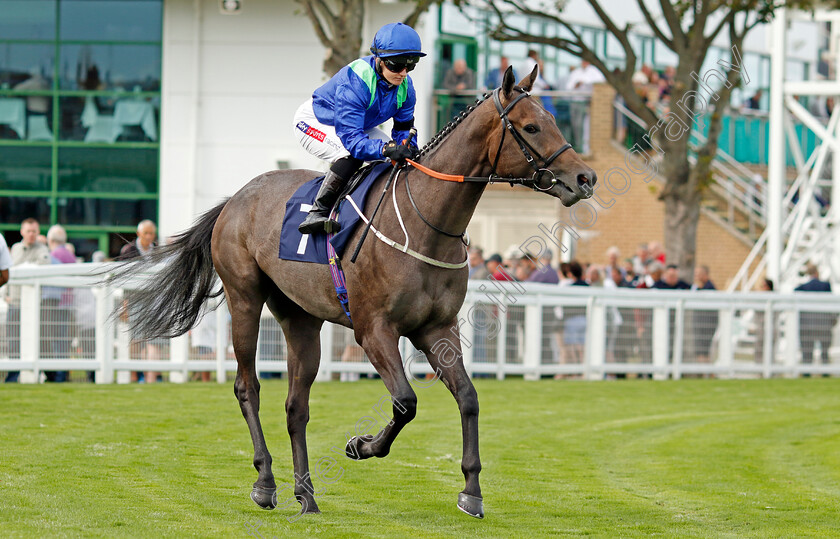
(313, 248)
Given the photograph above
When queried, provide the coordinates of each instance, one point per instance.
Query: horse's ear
(508, 81)
(528, 81)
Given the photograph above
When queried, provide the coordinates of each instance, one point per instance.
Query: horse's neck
(450, 205)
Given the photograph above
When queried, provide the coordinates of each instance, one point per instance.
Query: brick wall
(637, 216)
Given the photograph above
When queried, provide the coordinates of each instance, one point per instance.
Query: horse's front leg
(443, 351)
(381, 343)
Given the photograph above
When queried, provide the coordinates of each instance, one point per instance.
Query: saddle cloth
(313, 248)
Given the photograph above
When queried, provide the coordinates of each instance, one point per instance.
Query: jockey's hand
(398, 152)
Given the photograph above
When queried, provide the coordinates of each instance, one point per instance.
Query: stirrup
(315, 223)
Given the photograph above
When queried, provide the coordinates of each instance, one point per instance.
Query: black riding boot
(318, 221)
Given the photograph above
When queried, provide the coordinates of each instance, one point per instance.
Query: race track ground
(690, 458)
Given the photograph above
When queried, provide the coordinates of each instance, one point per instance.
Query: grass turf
(696, 458)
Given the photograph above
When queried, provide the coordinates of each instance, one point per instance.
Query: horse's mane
(445, 130)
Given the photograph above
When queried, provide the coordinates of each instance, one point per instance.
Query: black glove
(398, 152)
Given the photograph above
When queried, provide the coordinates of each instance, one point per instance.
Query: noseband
(540, 164)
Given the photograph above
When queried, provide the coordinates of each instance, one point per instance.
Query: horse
(392, 293)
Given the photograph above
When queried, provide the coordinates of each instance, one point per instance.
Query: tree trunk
(682, 215)
(682, 206)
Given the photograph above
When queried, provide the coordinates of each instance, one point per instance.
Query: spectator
(496, 270)
(814, 326)
(641, 260)
(754, 102)
(142, 246)
(459, 78)
(27, 251)
(546, 273)
(643, 76)
(670, 75)
(642, 317)
(84, 314)
(702, 280)
(5, 261)
(705, 323)
(57, 307)
(594, 276)
(492, 263)
(631, 279)
(766, 285)
(584, 77)
(565, 274)
(524, 268)
(615, 319)
(534, 60)
(655, 252)
(654, 274)
(478, 269)
(540, 85)
(203, 341)
(574, 326)
(145, 242)
(613, 254)
(671, 280)
(495, 76)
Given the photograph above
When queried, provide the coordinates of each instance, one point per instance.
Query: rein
(539, 164)
(527, 150)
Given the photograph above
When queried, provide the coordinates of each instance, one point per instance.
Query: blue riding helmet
(396, 39)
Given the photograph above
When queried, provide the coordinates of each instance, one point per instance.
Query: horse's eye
(531, 128)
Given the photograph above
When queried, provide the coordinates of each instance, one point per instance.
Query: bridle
(539, 163)
(528, 150)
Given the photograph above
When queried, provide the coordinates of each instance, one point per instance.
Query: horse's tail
(171, 299)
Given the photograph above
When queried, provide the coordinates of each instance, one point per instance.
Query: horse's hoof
(471, 505)
(310, 509)
(265, 497)
(353, 449)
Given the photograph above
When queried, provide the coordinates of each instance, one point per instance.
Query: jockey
(339, 123)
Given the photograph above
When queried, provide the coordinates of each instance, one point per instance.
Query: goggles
(397, 63)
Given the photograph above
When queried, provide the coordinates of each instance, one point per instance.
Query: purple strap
(338, 274)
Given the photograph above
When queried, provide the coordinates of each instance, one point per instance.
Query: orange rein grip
(434, 174)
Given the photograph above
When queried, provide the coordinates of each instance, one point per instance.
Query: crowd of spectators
(68, 315)
(654, 87)
(628, 329)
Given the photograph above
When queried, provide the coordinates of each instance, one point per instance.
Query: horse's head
(528, 143)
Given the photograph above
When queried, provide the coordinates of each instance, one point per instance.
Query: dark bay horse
(391, 293)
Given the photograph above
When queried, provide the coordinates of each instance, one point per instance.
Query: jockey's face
(391, 76)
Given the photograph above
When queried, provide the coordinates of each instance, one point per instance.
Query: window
(79, 116)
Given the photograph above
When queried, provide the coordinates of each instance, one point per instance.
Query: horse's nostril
(586, 179)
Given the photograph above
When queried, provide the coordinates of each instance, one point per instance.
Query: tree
(687, 27)
(338, 25)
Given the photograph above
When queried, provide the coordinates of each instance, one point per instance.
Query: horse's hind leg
(245, 297)
(381, 345)
(444, 356)
(302, 332)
